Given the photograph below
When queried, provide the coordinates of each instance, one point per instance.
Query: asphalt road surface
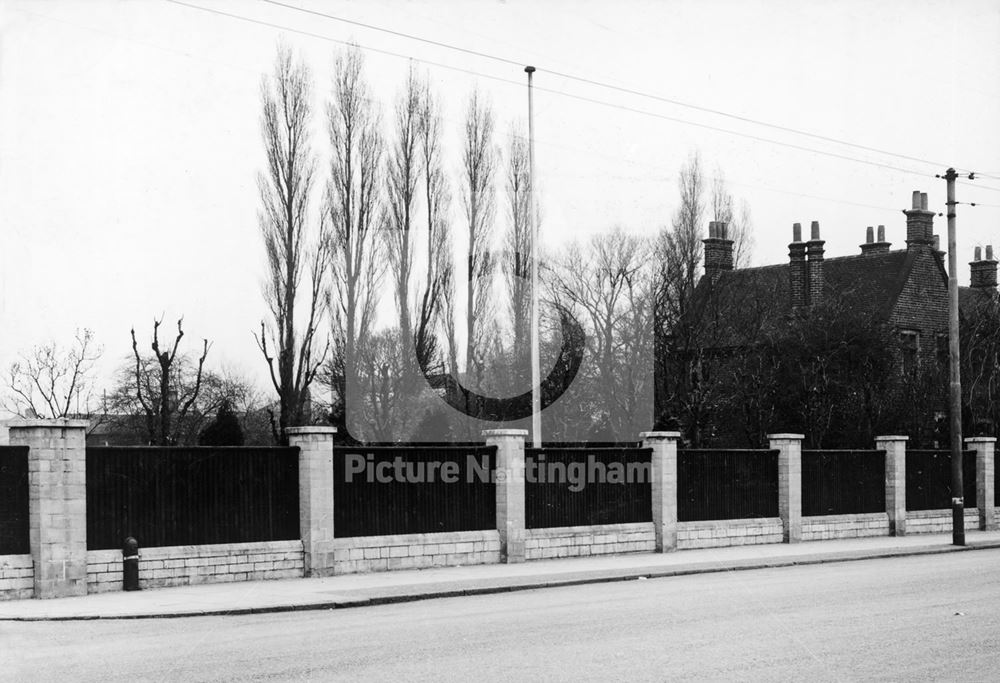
(921, 618)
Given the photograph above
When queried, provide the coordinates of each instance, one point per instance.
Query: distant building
(906, 290)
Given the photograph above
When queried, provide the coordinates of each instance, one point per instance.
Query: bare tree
(517, 266)
(51, 382)
(285, 190)
(353, 207)
(127, 421)
(403, 170)
(439, 275)
(167, 405)
(607, 281)
(479, 162)
(737, 218)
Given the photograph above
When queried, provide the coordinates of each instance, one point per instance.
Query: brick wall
(581, 541)
(186, 565)
(412, 551)
(923, 303)
(16, 577)
(844, 526)
(938, 521)
(727, 532)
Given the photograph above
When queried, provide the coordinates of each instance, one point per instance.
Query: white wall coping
(435, 537)
(487, 433)
(859, 516)
(169, 552)
(317, 429)
(558, 531)
(15, 562)
(59, 423)
(939, 512)
(716, 523)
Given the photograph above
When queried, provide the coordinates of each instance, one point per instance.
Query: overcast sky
(130, 143)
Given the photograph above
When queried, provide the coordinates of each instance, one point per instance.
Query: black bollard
(130, 564)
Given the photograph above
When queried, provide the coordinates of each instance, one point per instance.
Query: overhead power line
(603, 84)
(583, 98)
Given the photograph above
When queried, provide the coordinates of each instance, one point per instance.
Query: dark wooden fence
(842, 482)
(928, 479)
(191, 496)
(726, 484)
(565, 486)
(14, 500)
(419, 503)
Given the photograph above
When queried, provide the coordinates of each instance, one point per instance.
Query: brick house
(905, 289)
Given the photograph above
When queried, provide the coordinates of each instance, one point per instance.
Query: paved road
(888, 619)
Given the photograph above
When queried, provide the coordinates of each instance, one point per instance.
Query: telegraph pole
(955, 384)
(536, 390)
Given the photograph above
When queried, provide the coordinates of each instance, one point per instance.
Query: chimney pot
(919, 222)
(937, 242)
(869, 235)
(983, 274)
(881, 233)
(814, 230)
(718, 250)
(796, 232)
(722, 229)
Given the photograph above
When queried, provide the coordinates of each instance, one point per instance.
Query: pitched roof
(869, 283)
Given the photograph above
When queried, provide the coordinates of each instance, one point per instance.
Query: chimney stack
(718, 249)
(983, 273)
(797, 268)
(919, 222)
(871, 246)
(814, 269)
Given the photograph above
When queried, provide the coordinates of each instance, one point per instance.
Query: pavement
(358, 590)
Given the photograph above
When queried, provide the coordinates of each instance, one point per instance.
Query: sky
(130, 139)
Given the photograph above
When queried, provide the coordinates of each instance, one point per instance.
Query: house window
(909, 345)
(942, 351)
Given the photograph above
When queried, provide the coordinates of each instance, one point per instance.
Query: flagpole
(536, 397)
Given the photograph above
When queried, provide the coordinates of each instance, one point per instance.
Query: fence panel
(576, 486)
(928, 479)
(191, 496)
(726, 484)
(441, 488)
(842, 482)
(14, 500)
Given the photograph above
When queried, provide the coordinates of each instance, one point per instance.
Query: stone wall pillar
(985, 448)
(57, 503)
(510, 490)
(895, 481)
(789, 447)
(315, 446)
(663, 472)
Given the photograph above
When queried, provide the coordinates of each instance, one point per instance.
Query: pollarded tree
(163, 399)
